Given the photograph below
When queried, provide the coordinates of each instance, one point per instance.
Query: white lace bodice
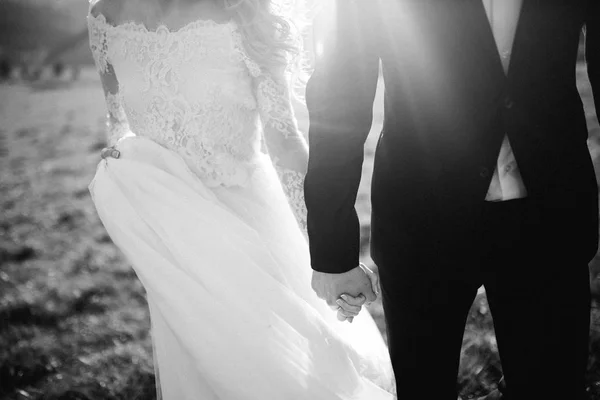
(195, 91)
(190, 90)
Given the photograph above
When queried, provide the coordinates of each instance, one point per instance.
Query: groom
(482, 176)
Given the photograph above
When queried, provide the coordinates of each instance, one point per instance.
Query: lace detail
(276, 111)
(238, 44)
(189, 90)
(195, 91)
(116, 119)
(98, 42)
(273, 98)
(293, 187)
(219, 142)
(117, 126)
(280, 128)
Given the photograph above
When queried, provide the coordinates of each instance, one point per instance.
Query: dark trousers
(537, 289)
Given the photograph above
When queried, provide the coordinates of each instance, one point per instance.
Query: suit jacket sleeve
(339, 97)
(592, 50)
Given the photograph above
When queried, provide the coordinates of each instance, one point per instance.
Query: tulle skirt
(227, 276)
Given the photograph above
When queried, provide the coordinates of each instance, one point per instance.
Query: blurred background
(73, 316)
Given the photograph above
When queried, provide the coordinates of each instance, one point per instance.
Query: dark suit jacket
(448, 105)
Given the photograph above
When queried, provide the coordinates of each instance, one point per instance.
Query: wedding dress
(200, 213)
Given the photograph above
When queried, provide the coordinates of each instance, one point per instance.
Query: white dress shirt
(506, 183)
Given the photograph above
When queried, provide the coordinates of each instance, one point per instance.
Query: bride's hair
(272, 32)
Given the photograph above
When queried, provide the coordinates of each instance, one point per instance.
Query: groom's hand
(330, 287)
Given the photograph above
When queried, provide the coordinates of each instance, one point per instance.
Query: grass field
(74, 322)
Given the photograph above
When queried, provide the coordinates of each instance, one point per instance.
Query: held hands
(347, 292)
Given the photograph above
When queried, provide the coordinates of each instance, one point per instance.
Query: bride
(193, 89)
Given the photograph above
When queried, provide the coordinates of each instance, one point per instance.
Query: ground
(74, 322)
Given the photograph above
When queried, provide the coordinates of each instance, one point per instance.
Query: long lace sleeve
(286, 145)
(116, 120)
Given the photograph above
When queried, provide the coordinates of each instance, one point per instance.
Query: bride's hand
(110, 152)
(349, 307)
